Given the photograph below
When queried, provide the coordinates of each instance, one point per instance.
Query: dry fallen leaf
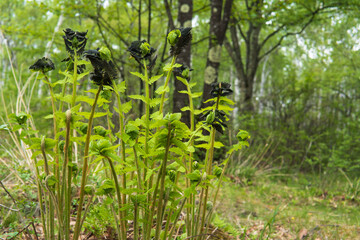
(303, 233)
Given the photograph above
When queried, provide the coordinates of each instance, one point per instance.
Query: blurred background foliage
(304, 113)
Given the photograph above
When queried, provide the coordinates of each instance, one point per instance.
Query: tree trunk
(181, 100)
(247, 25)
(264, 76)
(218, 24)
(236, 86)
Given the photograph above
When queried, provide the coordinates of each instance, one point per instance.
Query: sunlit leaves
(96, 115)
(139, 75)
(155, 78)
(19, 118)
(106, 187)
(162, 89)
(168, 67)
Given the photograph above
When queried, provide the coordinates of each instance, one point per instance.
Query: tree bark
(218, 24)
(253, 20)
(180, 100)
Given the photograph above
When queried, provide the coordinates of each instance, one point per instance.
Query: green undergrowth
(292, 206)
(296, 206)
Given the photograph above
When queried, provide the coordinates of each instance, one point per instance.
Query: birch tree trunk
(219, 20)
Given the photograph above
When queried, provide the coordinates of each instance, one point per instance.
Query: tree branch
(271, 35)
(168, 12)
(202, 8)
(289, 34)
(149, 22)
(230, 49)
(237, 49)
(199, 41)
(100, 20)
(225, 20)
(247, 5)
(114, 31)
(106, 43)
(312, 14)
(242, 33)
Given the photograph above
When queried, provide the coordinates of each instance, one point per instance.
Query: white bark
(49, 46)
(236, 86)
(264, 76)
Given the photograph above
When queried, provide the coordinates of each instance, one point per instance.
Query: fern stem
(166, 83)
(191, 200)
(50, 202)
(147, 183)
(136, 221)
(121, 131)
(208, 167)
(39, 192)
(56, 149)
(156, 189)
(118, 193)
(85, 167)
(65, 192)
(176, 219)
(217, 191)
(162, 206)
(147, 116)
(108, 175)
(73, 100)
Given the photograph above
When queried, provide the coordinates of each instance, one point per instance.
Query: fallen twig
(2, 185)
(32, 223)
(11, 209)
(25, 228)
(211, 234)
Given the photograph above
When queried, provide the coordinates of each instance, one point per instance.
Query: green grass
(321, 207)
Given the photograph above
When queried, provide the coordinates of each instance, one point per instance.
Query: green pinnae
(173, 37)
(145, 48)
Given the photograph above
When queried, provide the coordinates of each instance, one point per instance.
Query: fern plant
(147, 171)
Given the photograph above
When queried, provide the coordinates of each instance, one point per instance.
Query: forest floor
(291, 207)
(273, 207)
